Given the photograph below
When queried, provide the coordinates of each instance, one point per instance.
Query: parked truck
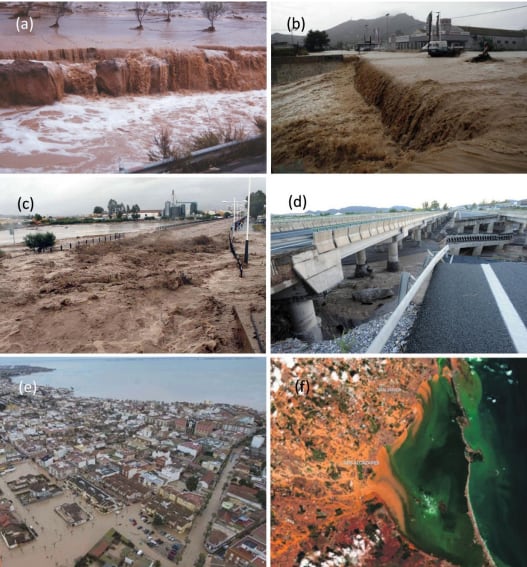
(440, 48)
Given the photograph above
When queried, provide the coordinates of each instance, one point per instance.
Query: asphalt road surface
(473, 308)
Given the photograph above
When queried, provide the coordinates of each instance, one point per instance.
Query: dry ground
(170, 291)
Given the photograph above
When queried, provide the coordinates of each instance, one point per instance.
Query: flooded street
(405, 112)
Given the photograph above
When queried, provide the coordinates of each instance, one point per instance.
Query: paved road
(465, 311)
(199, 528)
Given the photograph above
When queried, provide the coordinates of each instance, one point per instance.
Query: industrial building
(179, 209)
(471, 38)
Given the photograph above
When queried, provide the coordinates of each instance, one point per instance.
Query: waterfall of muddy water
(405, 112)
(168, 75)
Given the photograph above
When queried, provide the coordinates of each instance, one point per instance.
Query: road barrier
(382, 338)
(235, 254)
(201, 160)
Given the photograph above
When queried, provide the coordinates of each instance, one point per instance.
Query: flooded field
(79, 230)
(111, 24)
(405, 112)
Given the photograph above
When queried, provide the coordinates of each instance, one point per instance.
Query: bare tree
(61, 8)
(212, 11)
(26, 8)
(169, 7)
(141, 8)
(163, 147)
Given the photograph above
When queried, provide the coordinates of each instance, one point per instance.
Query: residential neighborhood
(86, 480)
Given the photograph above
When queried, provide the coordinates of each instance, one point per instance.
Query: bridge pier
(393, 257)
(416, 234)
(306, 325)
(361, 269)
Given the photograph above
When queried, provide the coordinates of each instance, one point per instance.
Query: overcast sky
(325, 192)
(325, 15)
(58, 195)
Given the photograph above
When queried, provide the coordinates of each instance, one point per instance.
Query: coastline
(471, 514)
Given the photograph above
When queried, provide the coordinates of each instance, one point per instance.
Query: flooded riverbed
(87, 135)
(404, 112)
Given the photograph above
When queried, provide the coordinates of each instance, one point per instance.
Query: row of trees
(118, 210)
(211, 10)
(433, 206)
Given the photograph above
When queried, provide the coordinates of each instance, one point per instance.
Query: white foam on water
(96, 134)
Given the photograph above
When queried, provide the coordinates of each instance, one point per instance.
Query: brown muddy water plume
(404, 115)
(418, 116)
(118, 72)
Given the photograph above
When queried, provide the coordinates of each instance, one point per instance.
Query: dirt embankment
(172, 291)
(120, 72)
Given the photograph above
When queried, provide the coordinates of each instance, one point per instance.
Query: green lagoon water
(431, 465)
(496, 405)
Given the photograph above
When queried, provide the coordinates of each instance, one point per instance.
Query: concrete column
(400, 244)
(305, 321)
(360, 264)
(417, 236)
(393, 257)
(477, 250)
(522, 227)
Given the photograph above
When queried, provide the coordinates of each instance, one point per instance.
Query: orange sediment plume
(388, 488)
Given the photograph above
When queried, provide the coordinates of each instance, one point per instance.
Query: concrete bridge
(483, 231)
(491, 222)
(313, 265)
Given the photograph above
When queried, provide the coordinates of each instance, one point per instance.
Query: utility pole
(246, 256)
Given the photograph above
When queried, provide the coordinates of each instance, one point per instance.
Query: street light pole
(246, 256)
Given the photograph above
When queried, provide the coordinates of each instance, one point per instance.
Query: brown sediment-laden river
(405, 112)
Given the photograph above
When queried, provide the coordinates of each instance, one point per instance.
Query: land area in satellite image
(397, 462)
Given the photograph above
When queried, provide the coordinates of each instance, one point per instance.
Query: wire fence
(236, 226)
(79, 243)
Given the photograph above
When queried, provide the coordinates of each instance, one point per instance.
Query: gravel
(356, 340)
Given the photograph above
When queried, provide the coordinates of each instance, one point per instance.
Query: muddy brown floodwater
(405, 112)
(170, 291)
(91, 95)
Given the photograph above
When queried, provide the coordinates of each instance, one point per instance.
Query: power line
(492, 12)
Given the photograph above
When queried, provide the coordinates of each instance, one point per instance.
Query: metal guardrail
(202, 159)
(318, 223)
(382, 338)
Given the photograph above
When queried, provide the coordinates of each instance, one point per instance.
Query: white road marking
(512, 320)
